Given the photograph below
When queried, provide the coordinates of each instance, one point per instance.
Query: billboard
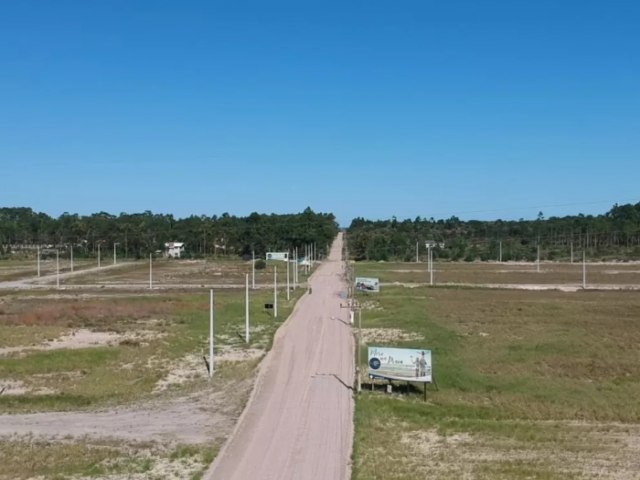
(367, 284)
(283, 256)
(409, 364)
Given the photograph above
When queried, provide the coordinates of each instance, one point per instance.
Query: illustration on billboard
(282, 256)
(410, 364)
(366, 284)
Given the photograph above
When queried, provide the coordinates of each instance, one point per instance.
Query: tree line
(612, 235)
(138, 234)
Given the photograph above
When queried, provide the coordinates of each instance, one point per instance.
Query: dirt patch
(371, 305)
(382, 335)
(229, 354)
(187, 369)
(85, 338)
(17, 387)
(199, 418)
(596, 449)
(192, 367)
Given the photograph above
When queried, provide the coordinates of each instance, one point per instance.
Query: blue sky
(372, 108)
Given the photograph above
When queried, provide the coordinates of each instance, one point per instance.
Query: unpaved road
(299, 421)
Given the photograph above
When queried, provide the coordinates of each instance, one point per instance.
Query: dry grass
(28, 269)
(182, 272)
(39, 458)
(503, 273)
(532, 385)
(175, 327)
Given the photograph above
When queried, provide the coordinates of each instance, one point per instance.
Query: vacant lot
(606, 274)
(178, 273)
(532, 384)
(136, 359)
(24, 269)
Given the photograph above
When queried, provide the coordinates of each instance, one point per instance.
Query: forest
(138, 234)
(614, 235)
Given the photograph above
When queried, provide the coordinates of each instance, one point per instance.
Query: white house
(173, 249)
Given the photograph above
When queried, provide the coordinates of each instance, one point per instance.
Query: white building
(173, 249)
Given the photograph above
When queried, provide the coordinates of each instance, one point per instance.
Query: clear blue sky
(478, 109)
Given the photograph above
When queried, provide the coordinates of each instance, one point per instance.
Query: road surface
(298, 423)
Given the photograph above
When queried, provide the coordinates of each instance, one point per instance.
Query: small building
(173, 249)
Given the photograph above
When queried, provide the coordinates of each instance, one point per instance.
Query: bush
(261, 264)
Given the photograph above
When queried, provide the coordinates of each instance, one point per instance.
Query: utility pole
(71, 258)
(500, 255)
(114, 252)
(538, 260)
(431, 267)
(150, 271)
(353, 305)
(359, 346)
(288, 266)
(584, 269)
(246, 309)
(57, 269)
(275, 292)
(38, 260)
(99, 254)
(571, 251)
(253, 269)
(210, 334)
(417, 253)
(293, 269)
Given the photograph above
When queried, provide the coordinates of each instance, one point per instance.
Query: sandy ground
(84, 338)
(199, 418)
(563, 287)
(299, 421)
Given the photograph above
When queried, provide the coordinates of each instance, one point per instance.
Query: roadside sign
(408, 364)
(283, 256)
(367, 284)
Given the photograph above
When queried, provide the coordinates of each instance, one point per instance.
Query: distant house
(173, 249)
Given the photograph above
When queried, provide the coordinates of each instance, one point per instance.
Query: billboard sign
(409, 364)
(282, 256)
(367, 284)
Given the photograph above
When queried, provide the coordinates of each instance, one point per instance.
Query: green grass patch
(531, 384)
(177, 325)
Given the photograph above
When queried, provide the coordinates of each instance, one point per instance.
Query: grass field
(503, 273)
(110, 350)
(150, 332)
(536, 385)
(27, 457)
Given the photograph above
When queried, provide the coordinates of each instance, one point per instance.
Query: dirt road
(299, 421)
